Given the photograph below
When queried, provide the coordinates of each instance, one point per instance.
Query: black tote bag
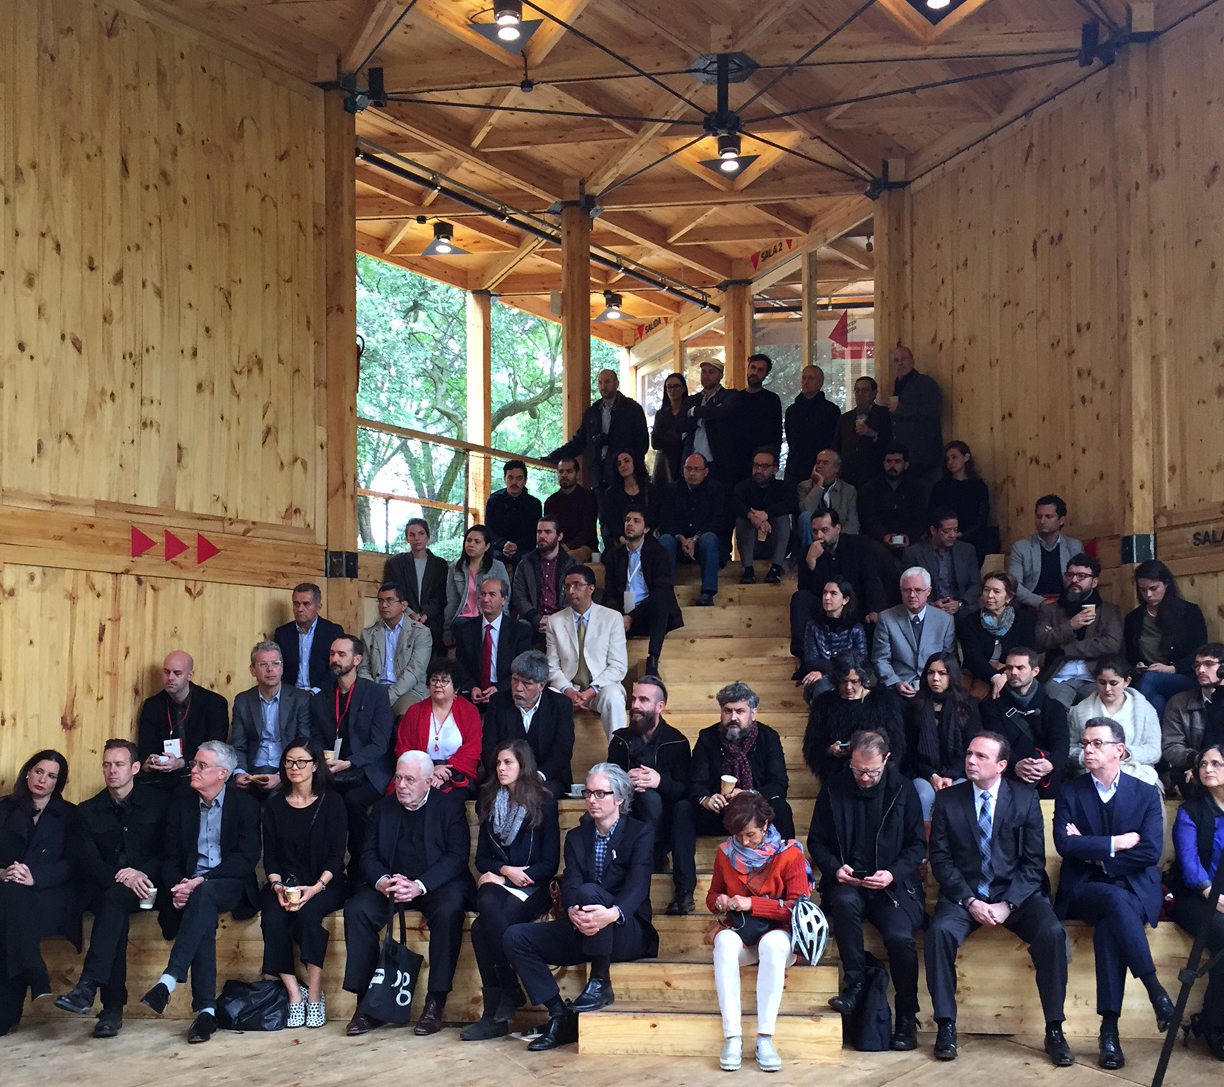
(394, 983)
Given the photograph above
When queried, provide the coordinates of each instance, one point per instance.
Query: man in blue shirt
(306, 642)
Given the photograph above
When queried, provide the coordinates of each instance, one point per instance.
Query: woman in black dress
(37, 830)
(960, 488)
(666, 437)
(856, 702)
(305, 831)
(629, 486)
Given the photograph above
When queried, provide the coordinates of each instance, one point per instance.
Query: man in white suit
(587, 661)
(399, 650)
(908, 634)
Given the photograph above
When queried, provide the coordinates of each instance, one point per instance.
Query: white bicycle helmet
(809, 930)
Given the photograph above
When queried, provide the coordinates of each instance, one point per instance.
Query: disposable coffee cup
(329, 756)
(729, 782)
(293, 895)
(897, 540)
(146, 903)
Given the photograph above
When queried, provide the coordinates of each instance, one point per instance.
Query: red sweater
(413, 734)
(773, 889)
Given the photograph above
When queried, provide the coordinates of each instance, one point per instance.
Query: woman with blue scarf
(988, 633)
(757, 879)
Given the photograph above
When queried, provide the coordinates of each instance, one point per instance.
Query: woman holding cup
(305, 831)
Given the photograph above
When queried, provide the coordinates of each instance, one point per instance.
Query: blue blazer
(1136, 807)
(626, 876)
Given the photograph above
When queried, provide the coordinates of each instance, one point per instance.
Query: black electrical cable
(412, 99)
(381, 41)
(649, 166)
(864, 176)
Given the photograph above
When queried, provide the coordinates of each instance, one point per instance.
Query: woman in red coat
(447, 728)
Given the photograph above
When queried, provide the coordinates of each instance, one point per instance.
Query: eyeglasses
(298, 764)
(1080, 575)
(858, 771)
(405, 779)
(267, 666)
(439, 681)
(596, 794)
(1097, 744)
(197, 765)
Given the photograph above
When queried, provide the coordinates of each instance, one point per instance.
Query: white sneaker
(297, 1015)
(316, 1013)
(731, 1055)
(767, 1057)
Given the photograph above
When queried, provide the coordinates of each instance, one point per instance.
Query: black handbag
(253, 1005)
(394, 983)
(748, 927)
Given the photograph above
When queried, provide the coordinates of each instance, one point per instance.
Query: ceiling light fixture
(509, 29)
(937, 5)
(443, 244)
(612, 309)
(508, 14)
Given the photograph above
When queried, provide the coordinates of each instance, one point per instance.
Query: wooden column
(479, 392)
(893, 282)
(737, 332)
(810, 297)
(340, 347)
(575, 312)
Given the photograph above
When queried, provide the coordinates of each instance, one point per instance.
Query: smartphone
(860, 873)
(844, 744)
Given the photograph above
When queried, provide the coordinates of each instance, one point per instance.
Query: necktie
(985, 827)
(486, 659)
(582, 677)
(916, 624)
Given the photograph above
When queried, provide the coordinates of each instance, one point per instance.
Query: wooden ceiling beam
(685, 223)
(654, 237)
(375, 18)
(680, 193)
(854, 254)
(500, 267)
(796, 225)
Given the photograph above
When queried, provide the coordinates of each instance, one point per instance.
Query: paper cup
(728, 783)
(146, 903)
(293, 895)
(329, 756)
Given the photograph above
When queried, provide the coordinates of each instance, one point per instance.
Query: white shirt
(495, 623)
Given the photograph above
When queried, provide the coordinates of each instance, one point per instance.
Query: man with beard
(738, 747)
(811, 422)
(657, 757)
(892, 511)
(530, 711)
(758, 415)
(762, 506)
(539, 580)
(1033, 723)
(576, 510)
(612, 424)
(351, 719)
(1077, 630)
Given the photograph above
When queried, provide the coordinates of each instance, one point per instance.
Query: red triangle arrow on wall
(174, 546)
(140, 542)
(205, 549)
(840, 333)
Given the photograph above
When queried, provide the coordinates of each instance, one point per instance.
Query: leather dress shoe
(945, 1042)
(559, 1030)
(156, 998)
(705, 600)
(652, 664)
(905, 1035)
(204, 1027)
(431, 1017)
(1111, 1055)
(748, 577)
(774, 576)
(847, 1001)
(79, 1000)
(361, 1024)
(597, 994)
(1057, 1049)
(110, 1023)
(681, 905)
(1163, 1007)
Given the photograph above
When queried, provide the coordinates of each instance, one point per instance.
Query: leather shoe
(597, 994)
(559, 1030)
(1111, 1056)
(774, 576)
(652, 664)
(680, 906)
(204, 1027)
(945, 1042)
(847, 1001)
(1163, 1007)
(361, 1024)
(110, 1023)
(79, 1000)
(1057, 1049)
(431, 1017)
(748, 577)
(705, 600)
(905, 1036)
(156, 999)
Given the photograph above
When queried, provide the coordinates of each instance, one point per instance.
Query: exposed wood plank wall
(162, 304)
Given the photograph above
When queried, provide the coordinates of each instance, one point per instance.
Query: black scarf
(941, 740)
(865, 813)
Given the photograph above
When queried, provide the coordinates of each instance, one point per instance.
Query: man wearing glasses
(267, 719)
(1109, 832)
(867, 840)
(213, 846)
(1195, 718)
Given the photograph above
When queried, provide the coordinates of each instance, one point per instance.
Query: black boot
(511, 992)
(80, 1000)
(847, 1001)
(486, 1026)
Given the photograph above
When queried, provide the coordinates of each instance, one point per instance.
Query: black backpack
(869, 1030)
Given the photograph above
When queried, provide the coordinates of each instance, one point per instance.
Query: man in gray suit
(1038, 562)
(266, 719)
(399, 650)
(955, 578)
(908, 634)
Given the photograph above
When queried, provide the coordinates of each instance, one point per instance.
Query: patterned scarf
(1000, 626)
(507, 817)
(735, 756)
(746, 861)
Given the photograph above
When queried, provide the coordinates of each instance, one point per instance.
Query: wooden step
(757, 622)
(689, 986)
(814, 1039)
(733, 595)
(682, 644)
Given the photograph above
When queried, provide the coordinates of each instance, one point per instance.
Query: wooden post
(340, 336)
(809, 299)
(575, 312)
(893, 282)
(737, 332)
(479, 393)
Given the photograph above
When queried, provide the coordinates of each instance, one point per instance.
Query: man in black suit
(352, 721)
(863, 434)
(706, 422)
(810, 424)
(988, 856)
(741, 747)
(657, 758)
(610, 426)
(175, 721)
(422, 576)
(486, 645)
(833, 556)
(267, 718)
(694, 522)
(1109, 831)
(606, 894)
(530, 711)
(213, 846)
(119, 863)
(511, 515)
(638, 584)
(892, 511)
(416, 856)
(306, 642)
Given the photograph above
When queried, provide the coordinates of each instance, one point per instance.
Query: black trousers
(106, 960)
(359, 796)
(649, 620)
(498, 910)
(691, 819)
(27, 914)
(532, 947)
(1190, 911)
(195, 946)
(804, 607)
(671, 835)
(1119, 941)
(847, 908)
(365, 914)
(1034, 922)
(304, 927)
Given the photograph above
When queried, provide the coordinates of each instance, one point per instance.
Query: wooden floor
(45, 1053)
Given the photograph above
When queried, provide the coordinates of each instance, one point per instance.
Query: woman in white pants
(757, 879)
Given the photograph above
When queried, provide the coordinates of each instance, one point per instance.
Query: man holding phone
(867, 840)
